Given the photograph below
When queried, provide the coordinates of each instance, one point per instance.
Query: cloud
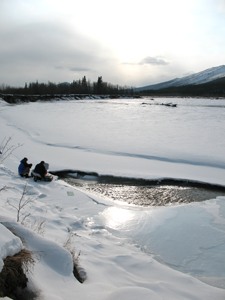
(78, 69)
(149, 60)
(74, 69)
(221, 5)
(45, 42)
(48, 51)
(49, 40)
(153, 61)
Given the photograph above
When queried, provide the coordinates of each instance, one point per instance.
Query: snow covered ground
(127, 252)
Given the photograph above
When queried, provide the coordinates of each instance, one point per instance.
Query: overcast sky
(133, 43)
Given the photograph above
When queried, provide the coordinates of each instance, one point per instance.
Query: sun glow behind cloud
(134, 30)
(134, 43)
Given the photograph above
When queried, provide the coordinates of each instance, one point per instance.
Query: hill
(215, 88)
(203, 77)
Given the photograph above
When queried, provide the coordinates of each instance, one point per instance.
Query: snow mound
(133, 293)
(9, 244)
(52, 254)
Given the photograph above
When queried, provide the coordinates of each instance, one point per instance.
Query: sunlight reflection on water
(146, 195)
(117, 218)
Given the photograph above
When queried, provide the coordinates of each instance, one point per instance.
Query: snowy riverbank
(116, 267)
(127, 252)
(16, 98)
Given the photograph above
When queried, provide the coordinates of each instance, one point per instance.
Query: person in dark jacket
(24, 168)
(40, 169)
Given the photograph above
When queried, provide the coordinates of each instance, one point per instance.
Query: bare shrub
(4, 188)
(22, 213)
(6, 149)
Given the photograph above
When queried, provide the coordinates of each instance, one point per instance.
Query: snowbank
(9, 244)
(116, 267)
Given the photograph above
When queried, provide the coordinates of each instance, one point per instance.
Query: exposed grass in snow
(37, 226)
(78, 272)
(14, 274)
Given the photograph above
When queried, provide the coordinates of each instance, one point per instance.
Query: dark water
(144, 192)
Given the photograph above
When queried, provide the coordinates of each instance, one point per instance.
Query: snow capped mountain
(197, 78)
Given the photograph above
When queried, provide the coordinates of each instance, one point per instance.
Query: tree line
(81, 86)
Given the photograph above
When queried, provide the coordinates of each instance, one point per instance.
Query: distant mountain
(65, 83)
(214, 88)
(194, 79)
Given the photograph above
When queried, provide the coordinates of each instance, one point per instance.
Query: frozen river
(142, 139)
(191, 133)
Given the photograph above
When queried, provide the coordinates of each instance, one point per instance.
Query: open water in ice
(146, 192)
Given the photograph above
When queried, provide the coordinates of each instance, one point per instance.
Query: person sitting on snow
(41, 172)
(40, 169)
(24, 168)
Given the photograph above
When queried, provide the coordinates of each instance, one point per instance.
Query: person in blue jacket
(24, 168)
